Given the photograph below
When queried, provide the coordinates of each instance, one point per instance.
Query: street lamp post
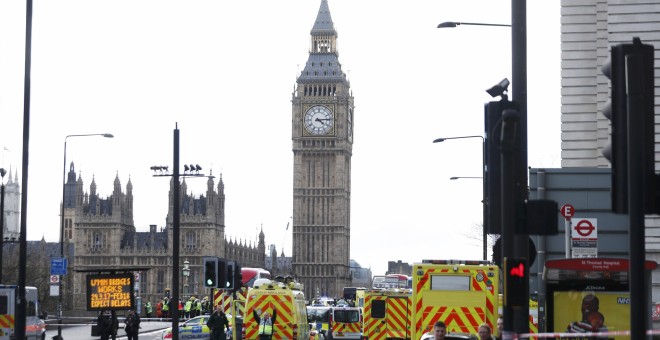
(2, 217)
(516, 245)
(59, 305)
(484, 198)
(186, 275)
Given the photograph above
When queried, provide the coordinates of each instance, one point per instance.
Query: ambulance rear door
(398, 317)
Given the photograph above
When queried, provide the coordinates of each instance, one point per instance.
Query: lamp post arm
(452, 24)
(484, 197)
(442, 139)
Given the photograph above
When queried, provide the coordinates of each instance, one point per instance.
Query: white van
(345, 323)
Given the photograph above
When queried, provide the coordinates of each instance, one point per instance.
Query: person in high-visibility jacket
(266, 323)
(166, 308)
(186, 308)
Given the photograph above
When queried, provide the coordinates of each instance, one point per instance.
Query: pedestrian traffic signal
(211, 272)
(516, 282)
(631, 112)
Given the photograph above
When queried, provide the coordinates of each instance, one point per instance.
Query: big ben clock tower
(322, 133)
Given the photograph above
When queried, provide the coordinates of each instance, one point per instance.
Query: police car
(194, 328)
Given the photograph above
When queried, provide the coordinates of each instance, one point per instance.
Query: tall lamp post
(186, 275)
(2, 217)
(59, 306)
(484, 198)
(516, 245)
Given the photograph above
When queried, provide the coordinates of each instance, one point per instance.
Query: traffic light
(238, 276)
(493, 163)
(222, 273)
(616, 111)
(641, 120)
(229, 282)
(631, 112)
(211, 272)
(516, 282)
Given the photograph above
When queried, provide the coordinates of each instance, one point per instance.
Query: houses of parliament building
(99, 234)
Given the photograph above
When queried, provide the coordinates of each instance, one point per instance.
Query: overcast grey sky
(225, 72)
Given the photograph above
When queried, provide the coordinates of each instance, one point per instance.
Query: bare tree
(476, 233)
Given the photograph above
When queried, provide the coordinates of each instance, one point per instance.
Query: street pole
(175, 237)
(509, 141)
(484, 198)
(2, 218)
(176, 219)
(61, 293)
(21, 307)
(519, 92)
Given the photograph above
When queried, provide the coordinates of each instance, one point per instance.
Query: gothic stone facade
(104, 237)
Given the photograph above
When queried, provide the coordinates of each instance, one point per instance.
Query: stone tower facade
(12, 208)
(104, 237)
(322, 133)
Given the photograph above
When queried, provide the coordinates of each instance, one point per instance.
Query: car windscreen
(346, 315)
(318, 314)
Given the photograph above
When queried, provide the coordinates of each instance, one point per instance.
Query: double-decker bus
(391, 281)
(250, 275)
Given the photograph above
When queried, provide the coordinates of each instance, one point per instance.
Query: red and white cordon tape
(576, 335)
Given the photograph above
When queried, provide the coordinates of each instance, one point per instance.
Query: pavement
(82, 329)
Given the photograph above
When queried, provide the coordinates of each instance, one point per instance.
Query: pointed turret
(129, 198)
(92, 187)
(70, 188)
(117, 185)
(129, 187)
(323, 25)
(323, 63)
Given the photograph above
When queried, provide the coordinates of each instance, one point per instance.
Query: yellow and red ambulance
(463, 294)
(284, 303)
(225, 298)
(345, 323)
(387, 314)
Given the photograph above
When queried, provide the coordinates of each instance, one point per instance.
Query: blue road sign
(58, 266)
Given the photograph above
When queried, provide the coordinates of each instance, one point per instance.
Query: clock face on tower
(318, 120)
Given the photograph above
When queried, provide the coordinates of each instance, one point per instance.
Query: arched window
(190, 240)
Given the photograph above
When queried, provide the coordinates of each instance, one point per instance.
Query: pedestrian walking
(132, 327)
(104, 325)
(218, 324)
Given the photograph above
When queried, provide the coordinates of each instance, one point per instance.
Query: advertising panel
(591, 311)
(110, 292)
(590, 295)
